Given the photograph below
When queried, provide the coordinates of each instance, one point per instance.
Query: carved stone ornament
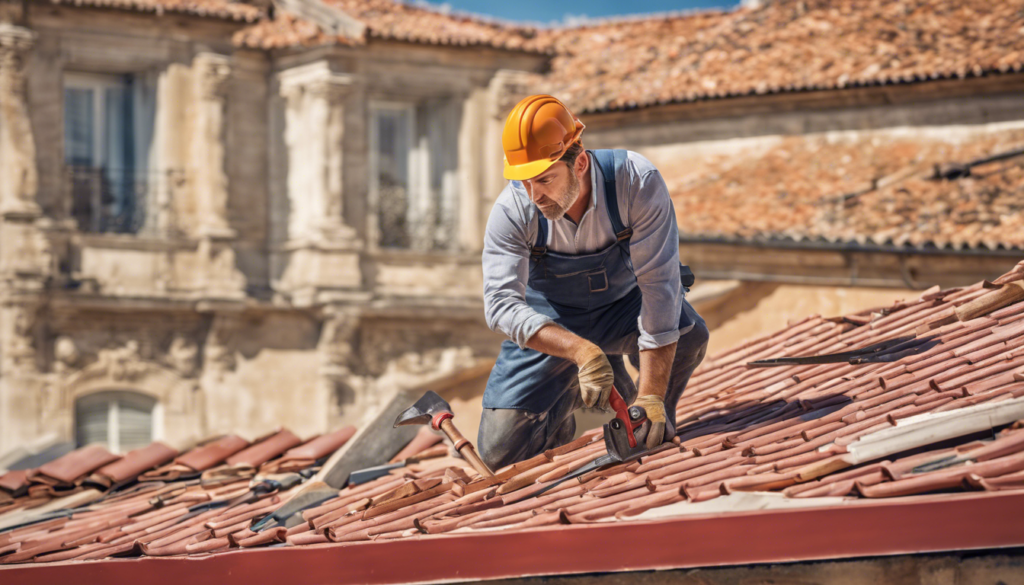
(123, 364)
(183, 356)
(19, 348)
(66, 356)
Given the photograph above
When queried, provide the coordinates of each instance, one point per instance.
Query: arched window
(120, 420)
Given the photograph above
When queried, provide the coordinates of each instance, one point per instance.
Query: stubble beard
(564, 201)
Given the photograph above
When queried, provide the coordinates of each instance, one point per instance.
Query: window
(107, 121)
(414, 180)
(120, 420)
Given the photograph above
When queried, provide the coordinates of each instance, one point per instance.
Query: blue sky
(570, 11)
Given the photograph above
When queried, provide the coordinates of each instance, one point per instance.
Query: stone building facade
(199, 237)
(228, 216)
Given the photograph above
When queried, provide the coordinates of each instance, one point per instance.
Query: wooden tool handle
(465, 448)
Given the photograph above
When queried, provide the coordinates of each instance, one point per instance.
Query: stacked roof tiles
(92, 504)
(785, 45)
(798, 428)
(951, 192)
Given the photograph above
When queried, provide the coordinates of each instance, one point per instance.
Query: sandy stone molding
(19, 178)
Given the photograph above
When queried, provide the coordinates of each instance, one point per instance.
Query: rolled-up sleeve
(506, 259)
(654, 249)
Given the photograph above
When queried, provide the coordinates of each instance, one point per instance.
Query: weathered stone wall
(255, 294)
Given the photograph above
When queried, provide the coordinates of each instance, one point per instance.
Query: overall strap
(541, 246)
(610, 161)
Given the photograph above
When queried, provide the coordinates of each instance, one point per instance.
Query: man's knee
(503, 437)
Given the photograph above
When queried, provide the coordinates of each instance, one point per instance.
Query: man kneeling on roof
(581, 267)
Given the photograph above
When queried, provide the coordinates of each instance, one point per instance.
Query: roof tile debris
(783, 46)
(879, 190)
(792, 428)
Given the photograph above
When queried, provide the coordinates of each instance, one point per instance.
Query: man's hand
(595, 372)
(596, 377)
(655, 407)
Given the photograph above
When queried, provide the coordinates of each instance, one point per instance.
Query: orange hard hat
(537, 133)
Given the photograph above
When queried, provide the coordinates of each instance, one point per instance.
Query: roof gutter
(924, 524)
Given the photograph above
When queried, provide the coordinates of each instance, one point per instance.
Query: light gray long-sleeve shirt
(644, 205)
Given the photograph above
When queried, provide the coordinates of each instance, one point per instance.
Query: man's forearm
(558, 341)
(655, 370)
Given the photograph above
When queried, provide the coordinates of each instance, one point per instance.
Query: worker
(581, 267)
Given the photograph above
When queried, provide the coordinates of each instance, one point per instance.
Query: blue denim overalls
(595, 296)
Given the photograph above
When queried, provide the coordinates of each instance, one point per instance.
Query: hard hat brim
(528, 170)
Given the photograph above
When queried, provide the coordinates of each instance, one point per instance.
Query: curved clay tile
(76, 464)
(266, 449)
(205, 457)
(137, 461)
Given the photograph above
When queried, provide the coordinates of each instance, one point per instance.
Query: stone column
(314, 135)
(209, 175)
(19, 179)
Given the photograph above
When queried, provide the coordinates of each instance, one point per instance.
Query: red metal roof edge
(922, 524)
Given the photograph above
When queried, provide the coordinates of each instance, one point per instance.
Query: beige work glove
(655, 407)
(596, 377)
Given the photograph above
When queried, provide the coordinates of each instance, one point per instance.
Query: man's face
(554, 191)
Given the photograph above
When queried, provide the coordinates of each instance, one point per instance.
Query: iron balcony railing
(124, 201)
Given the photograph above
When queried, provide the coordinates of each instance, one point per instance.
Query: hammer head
(423, 411)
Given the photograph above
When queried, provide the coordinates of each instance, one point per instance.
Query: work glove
(655, 407)
(596, 378)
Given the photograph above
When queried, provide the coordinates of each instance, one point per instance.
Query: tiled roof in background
(880, 189)
(222, 9)
(799, 430)
(287, 30)
(399, 21)
(786, 45)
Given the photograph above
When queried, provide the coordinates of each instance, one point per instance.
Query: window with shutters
(414, 174)
(120, 420)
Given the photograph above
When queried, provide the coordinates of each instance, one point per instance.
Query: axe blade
(425, 408)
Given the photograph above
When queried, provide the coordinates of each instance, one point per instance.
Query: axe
(433, 410)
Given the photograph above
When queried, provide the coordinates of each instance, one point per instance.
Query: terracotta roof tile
(133, 464)
(783, 46)
(74, 466)
(825, 190)
(789, 429)
(222, 9)
(390, 20)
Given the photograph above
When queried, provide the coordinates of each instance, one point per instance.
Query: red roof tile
(222, 9)
(390, 20)
(74, 466)
(790, 428)
(134, 463)
(875, 190)
(783, 46)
